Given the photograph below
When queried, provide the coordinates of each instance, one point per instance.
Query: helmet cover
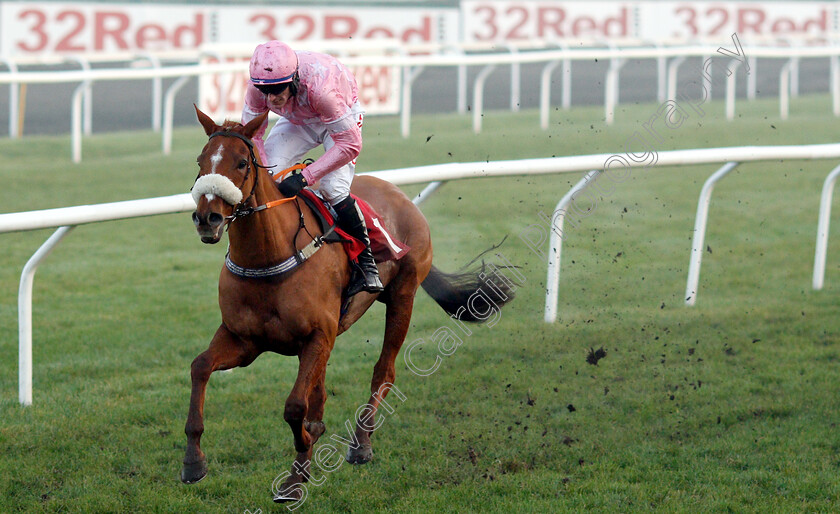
(273, 62)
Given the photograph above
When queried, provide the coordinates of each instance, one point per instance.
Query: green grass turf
(727, 406)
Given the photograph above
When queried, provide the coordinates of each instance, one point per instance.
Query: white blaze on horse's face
(216, 159)
(214, 184)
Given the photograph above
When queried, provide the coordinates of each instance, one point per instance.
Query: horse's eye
(242, 164)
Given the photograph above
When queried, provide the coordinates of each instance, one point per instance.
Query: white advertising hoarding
(750, 20)
(32, 28)
(222, 95)
(302, 23)
(490, 20)
(85, 27)
(506, 21)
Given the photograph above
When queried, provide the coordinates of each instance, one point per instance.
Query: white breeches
(287, 144)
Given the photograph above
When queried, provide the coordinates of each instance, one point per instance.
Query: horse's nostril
(215, 219)
(196, 219)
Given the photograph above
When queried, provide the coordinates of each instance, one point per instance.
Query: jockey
(317, 100)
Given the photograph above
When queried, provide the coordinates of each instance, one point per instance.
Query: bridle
(241, 209)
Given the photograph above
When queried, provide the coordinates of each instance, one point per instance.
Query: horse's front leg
(313, 363)
(225, 351)
(314, 426)
(304, 411)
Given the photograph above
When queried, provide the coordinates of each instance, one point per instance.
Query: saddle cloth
(383, 246)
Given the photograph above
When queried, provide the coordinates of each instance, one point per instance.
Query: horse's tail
(465, 295)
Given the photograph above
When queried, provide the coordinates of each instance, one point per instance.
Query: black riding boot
(351, 220)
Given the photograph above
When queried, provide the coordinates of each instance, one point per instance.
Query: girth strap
(286, 266)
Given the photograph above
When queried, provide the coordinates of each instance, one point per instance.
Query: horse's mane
(230, 124)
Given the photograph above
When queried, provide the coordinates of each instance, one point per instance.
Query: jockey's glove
(292, 185)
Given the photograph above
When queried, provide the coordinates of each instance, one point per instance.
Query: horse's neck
(266, 237)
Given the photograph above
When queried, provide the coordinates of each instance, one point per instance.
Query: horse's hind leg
(397, 320)
(225, 351)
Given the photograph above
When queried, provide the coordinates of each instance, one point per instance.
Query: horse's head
(227, 174)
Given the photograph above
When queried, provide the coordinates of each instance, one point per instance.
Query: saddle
(383, 246)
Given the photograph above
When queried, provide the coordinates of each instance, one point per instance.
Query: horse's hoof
(290, 494)
(193, 473)
(360, 455)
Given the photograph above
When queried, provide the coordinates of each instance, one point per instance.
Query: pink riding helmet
(273, 62)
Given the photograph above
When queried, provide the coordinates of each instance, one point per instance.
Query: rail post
(699, 237)
(27, 278)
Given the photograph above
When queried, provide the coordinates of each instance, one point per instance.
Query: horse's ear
(209, 125)
(251, 128)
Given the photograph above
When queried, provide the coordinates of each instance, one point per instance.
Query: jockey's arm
(347, 136)
(254, 106)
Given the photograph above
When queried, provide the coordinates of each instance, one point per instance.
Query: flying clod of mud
(595, 355)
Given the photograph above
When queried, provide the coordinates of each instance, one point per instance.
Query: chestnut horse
(298, 310)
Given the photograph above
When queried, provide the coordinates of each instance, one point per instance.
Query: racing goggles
(272, 89)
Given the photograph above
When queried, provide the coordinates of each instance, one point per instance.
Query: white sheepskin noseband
(217, 185)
